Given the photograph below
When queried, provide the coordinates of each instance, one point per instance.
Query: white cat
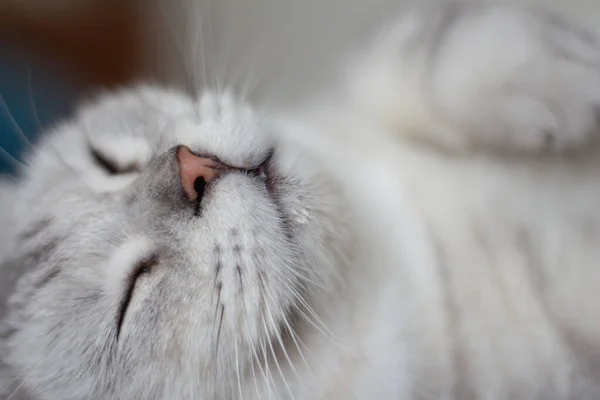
(428, 232)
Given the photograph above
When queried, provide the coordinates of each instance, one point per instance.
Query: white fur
(443, 254)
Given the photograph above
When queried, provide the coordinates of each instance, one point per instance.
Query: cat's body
(418, 247)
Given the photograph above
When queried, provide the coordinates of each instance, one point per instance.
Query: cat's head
(131, 277)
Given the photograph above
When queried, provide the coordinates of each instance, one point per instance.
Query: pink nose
(196, 172)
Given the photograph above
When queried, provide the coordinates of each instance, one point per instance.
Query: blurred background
(55, 52)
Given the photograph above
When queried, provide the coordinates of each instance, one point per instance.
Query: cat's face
(131, 289)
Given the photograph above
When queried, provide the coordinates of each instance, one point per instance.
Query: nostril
(196, 172)
(199, 186)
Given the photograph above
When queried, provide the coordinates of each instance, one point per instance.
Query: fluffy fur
(428, 232)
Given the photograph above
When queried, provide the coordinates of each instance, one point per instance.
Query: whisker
(251, 79)
(265, 62)
(305, 279)
(263, 373)
(226, 51)
(11, 381)
(212, 43)
(14, 123)
(268, 378)
(253, 357)
(297, 345)
(274, 326)
(251, 82)
(311, 322)
(252, 361)
(26, 140)
(195, 51)
(312, 312)
(237, 368)
(189, 78)
(260, 61)
(273, 351)
(308, 350)
(219, 330)
(32, 101)
(199, 48)
(16, 390)
(280, 341)
(297, 342)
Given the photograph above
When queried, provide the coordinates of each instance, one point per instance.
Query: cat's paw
(499, 75)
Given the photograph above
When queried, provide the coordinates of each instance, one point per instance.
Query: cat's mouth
(265, 170)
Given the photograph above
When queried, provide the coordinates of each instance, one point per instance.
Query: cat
(428, 231)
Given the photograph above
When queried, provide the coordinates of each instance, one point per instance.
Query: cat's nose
(196, 172)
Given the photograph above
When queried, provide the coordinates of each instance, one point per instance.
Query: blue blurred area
(36, 92)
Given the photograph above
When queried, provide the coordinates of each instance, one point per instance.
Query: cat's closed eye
(143, 268)
(111, 166)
